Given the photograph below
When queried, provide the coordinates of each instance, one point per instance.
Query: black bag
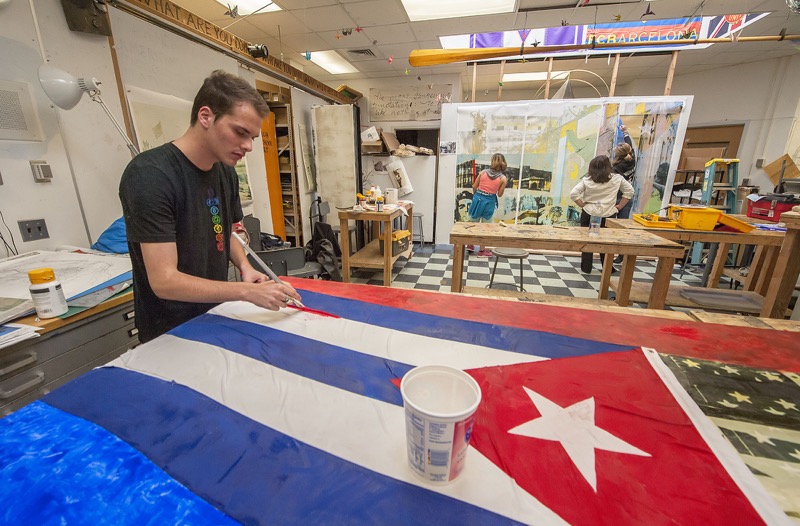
(269, 241)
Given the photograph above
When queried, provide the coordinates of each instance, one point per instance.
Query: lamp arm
(95, 96)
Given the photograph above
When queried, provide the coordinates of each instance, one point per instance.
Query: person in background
(487, 187)
(180, 201)
(624, 163)
(596, 195)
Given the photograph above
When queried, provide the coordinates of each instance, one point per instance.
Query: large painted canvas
(548, 146)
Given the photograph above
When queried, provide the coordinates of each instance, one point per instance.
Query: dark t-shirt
(167, 199)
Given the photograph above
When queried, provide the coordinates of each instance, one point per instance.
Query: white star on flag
(574, 428)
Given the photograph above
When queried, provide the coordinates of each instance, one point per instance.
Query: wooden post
(500, 82)
(474, 75)
(786, 270)
(547, 83)
(614, 76)
(671, 73)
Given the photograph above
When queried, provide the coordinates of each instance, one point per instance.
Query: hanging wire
(10, 233)
(247, 16)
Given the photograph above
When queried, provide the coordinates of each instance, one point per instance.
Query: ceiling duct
(361, 53)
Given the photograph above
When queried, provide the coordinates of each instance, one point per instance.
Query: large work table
(767, 245)
(628, 243)
(370, 256)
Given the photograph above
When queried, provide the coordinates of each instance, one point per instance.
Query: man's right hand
(271, 295)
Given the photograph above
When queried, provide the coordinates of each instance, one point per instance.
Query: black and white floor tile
(430, 268)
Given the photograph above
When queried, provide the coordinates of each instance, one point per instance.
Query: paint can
(48, 297)
(391, 196)
(440, 404)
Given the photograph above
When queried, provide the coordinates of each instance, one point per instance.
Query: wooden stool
(510, 253)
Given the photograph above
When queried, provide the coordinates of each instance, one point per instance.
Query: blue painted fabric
(58, 469)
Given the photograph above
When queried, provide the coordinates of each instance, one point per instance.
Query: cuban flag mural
(257, 417)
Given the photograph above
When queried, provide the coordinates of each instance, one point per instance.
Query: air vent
(361, 52)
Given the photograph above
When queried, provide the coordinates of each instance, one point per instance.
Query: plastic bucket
(440, 404)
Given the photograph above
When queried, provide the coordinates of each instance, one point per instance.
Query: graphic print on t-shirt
(212, 201)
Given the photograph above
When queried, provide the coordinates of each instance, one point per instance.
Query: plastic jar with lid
(48, 297)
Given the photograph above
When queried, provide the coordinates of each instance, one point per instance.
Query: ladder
(720, 181)
(721, 194)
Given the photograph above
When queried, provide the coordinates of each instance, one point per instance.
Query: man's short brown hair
(221, 91)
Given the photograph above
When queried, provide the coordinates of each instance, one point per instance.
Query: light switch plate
(42, 173)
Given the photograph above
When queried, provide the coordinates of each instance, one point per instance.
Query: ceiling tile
(392, 34)
(329, 18)
(376, 12)
(305, 42)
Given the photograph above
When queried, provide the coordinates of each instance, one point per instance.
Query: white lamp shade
(61, 87)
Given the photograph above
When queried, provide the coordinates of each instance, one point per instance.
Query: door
(704, 143)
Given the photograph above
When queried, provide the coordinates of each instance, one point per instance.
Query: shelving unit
(282, 184)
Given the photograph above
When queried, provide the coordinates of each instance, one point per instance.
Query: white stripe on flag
(405, 347)
(358, 429)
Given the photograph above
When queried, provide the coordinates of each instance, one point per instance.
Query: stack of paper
(12, 333)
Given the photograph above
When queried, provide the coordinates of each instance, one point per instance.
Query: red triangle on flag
(601, 439)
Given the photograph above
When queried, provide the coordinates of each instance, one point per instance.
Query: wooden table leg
(784, 279)
(719, 265)
(456, 283)
(343, 224)
(755, 268)
(658, 293)
(625, 279)
(605, 278)
(387, 254)
(767, 269)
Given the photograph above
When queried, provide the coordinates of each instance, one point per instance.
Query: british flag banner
(257, 417)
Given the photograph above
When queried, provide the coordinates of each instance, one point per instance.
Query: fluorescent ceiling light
(529, 77)
(427, 10)
(331, 62)
(247, 7)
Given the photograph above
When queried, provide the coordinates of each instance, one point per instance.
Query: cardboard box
(401, 239)
(773, 169)
(371, 147)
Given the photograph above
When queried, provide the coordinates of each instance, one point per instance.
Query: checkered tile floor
(430, 268)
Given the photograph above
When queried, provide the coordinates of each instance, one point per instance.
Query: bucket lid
(41, 275)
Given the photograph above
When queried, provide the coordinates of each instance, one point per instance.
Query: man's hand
(251, 275)
(271, 295)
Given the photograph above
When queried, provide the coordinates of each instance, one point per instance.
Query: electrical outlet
(33, 229)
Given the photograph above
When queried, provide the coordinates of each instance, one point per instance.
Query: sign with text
(408, 103)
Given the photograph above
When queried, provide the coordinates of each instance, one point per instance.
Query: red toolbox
(770, 207)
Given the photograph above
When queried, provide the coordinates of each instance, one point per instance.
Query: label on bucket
(437, 450)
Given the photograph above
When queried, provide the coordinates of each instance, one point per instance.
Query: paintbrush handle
(268, 271)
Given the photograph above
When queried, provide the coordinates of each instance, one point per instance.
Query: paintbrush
(268, 271)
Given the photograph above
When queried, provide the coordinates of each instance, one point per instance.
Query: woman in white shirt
(596, 194)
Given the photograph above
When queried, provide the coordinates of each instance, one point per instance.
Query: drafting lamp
(66, 91)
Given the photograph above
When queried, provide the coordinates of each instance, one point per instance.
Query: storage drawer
(29, 367)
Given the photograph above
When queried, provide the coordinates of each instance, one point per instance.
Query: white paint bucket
(391, 196)
(440, 404)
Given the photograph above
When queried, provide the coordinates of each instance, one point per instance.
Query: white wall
(422, 170)
(84, 149)
(94, 159)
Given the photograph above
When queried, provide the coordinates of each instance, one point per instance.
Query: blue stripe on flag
(250, 471)
(358, 373)
(58, 469)
(534, 343)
